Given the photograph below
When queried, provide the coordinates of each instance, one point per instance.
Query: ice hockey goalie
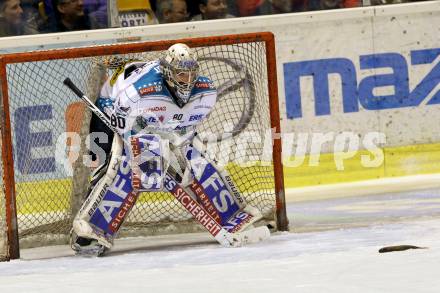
(157, 104)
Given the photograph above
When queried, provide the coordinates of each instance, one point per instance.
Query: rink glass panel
(49, 192)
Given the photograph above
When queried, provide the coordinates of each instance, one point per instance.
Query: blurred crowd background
(22, 17)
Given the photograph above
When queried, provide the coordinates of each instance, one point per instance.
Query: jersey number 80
(117, 121)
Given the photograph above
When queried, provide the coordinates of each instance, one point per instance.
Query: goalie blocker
(206, 191)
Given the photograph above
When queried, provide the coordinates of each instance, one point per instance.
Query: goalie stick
(198, 212)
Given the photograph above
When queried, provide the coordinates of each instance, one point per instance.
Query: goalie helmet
(180, 70)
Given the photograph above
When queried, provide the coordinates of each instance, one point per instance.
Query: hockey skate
(86, 247)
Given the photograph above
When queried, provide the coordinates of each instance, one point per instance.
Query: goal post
(44, 130)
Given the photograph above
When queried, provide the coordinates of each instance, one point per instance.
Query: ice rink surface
(333, 248)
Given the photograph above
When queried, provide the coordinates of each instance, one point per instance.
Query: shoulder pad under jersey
(151, 83)
(132, 69)
(203, 85)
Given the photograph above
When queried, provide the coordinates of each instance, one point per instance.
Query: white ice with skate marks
(345, 260)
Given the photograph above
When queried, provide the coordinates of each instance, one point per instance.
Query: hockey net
(48, 185)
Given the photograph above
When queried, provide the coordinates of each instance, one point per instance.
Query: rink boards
(374, 69)
(401, 161)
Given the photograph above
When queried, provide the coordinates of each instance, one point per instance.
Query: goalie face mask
(180, 70)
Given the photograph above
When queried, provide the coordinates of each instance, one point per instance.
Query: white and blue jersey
(139, 89)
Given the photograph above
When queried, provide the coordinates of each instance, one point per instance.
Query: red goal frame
(6, 134)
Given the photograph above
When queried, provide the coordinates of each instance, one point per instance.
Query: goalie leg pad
(109, 202)
(217, 193)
